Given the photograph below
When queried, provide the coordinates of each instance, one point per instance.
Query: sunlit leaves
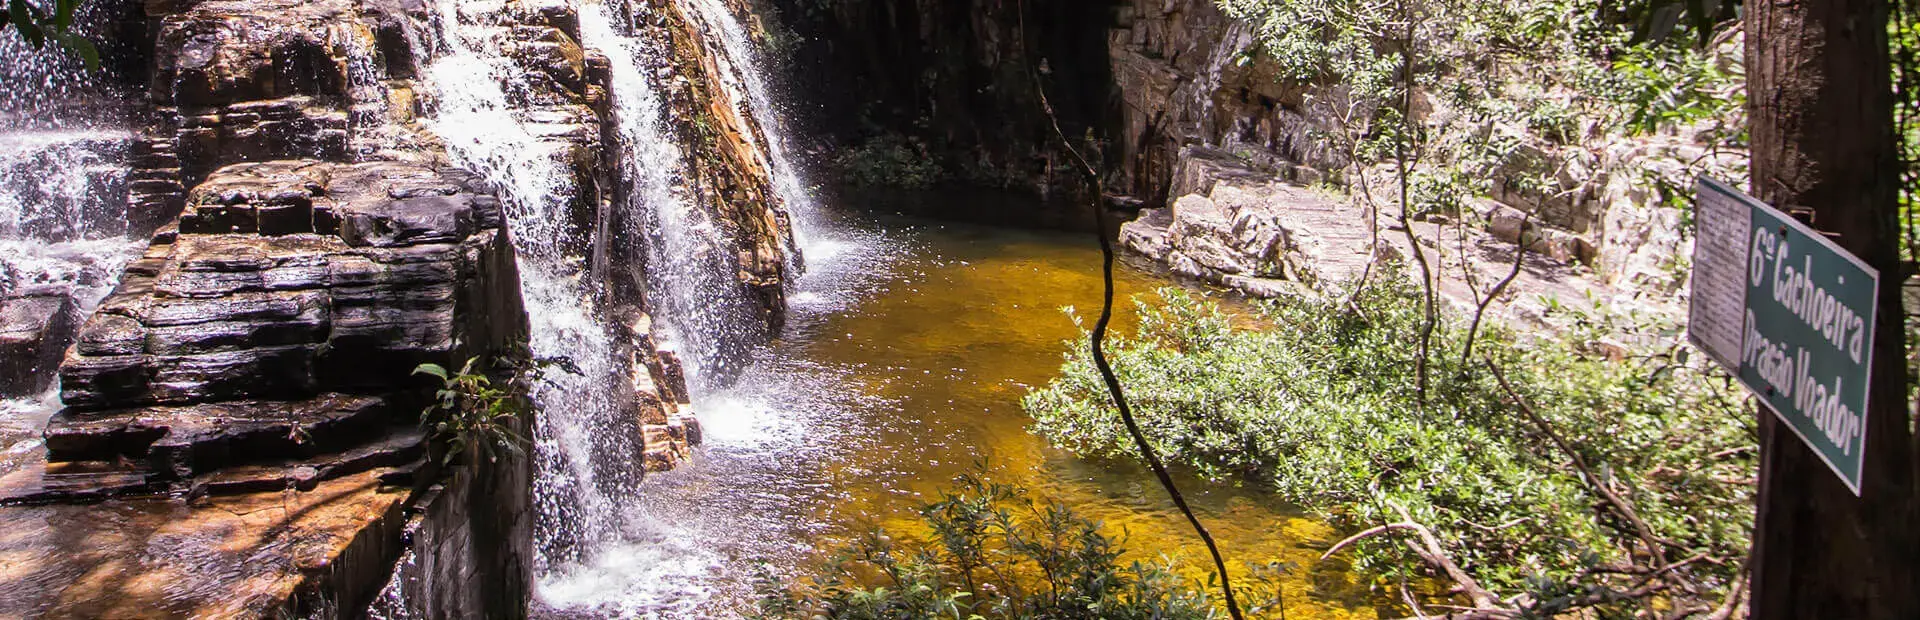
(1321, 409)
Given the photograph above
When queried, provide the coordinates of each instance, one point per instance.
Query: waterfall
(578, 497)
(748, 63)
(586, 450)
(690, 256)
(592, 509)
(63, 196)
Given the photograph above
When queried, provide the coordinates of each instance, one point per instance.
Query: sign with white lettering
(1792, 314)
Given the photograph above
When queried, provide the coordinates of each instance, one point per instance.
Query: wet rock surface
(243, 555)
(247, 388)
(35, 326)
(288, 279)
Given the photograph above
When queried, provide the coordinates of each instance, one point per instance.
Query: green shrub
(470, 411)
(990, 550)
(1323, 409)
(889, 160)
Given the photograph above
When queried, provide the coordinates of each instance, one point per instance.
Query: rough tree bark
(1819, 93)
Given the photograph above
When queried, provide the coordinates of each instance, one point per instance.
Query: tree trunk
(1820, 97)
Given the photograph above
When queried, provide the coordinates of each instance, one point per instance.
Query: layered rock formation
(259, 353)
(1242, 227)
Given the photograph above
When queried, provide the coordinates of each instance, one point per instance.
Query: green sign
(1806, 318)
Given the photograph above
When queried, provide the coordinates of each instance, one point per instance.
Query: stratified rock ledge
(241, 434)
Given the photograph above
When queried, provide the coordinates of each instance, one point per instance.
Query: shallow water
(908, 349)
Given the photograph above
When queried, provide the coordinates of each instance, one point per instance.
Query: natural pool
(908, 348)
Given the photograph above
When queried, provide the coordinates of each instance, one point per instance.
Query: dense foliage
(1478, 90)
(1323, 410)
(889, 160)
(992, 551)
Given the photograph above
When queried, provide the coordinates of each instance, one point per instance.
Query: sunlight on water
(902, 367)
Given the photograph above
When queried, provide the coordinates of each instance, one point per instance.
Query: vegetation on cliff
(1538, 472)
(1479, 80)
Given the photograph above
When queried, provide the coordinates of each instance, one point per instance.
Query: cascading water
(689, 255)
(594, 512)
(63, 197)
(587, 459)
(746, 61)
(578, 496)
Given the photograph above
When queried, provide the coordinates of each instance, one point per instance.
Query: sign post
(1791, 314)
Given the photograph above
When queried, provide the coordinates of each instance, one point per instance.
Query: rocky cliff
(1180, 99)
(960, 78)
(239, 434)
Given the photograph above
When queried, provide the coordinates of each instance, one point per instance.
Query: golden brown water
(903, 366)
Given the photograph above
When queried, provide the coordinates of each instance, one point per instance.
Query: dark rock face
(34, 326)
(961, 76)
(1149, 77)
(289, 279)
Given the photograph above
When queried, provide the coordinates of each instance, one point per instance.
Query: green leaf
(431, 369)
(63, 15)
(24, 19)
(83, 48)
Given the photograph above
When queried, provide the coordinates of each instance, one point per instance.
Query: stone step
(177, 443)
(400, 447)
(75, 482)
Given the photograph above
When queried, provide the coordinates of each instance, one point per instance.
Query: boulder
(34, 330)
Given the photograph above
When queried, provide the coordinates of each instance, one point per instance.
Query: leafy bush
(1655, 88)
(1324, 410)
(993, 551)
(889, 160)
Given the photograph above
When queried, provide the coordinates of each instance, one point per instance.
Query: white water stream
(592, 509)
(748, 64)
(63, 198)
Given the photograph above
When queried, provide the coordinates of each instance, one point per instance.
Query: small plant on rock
(470, 411)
